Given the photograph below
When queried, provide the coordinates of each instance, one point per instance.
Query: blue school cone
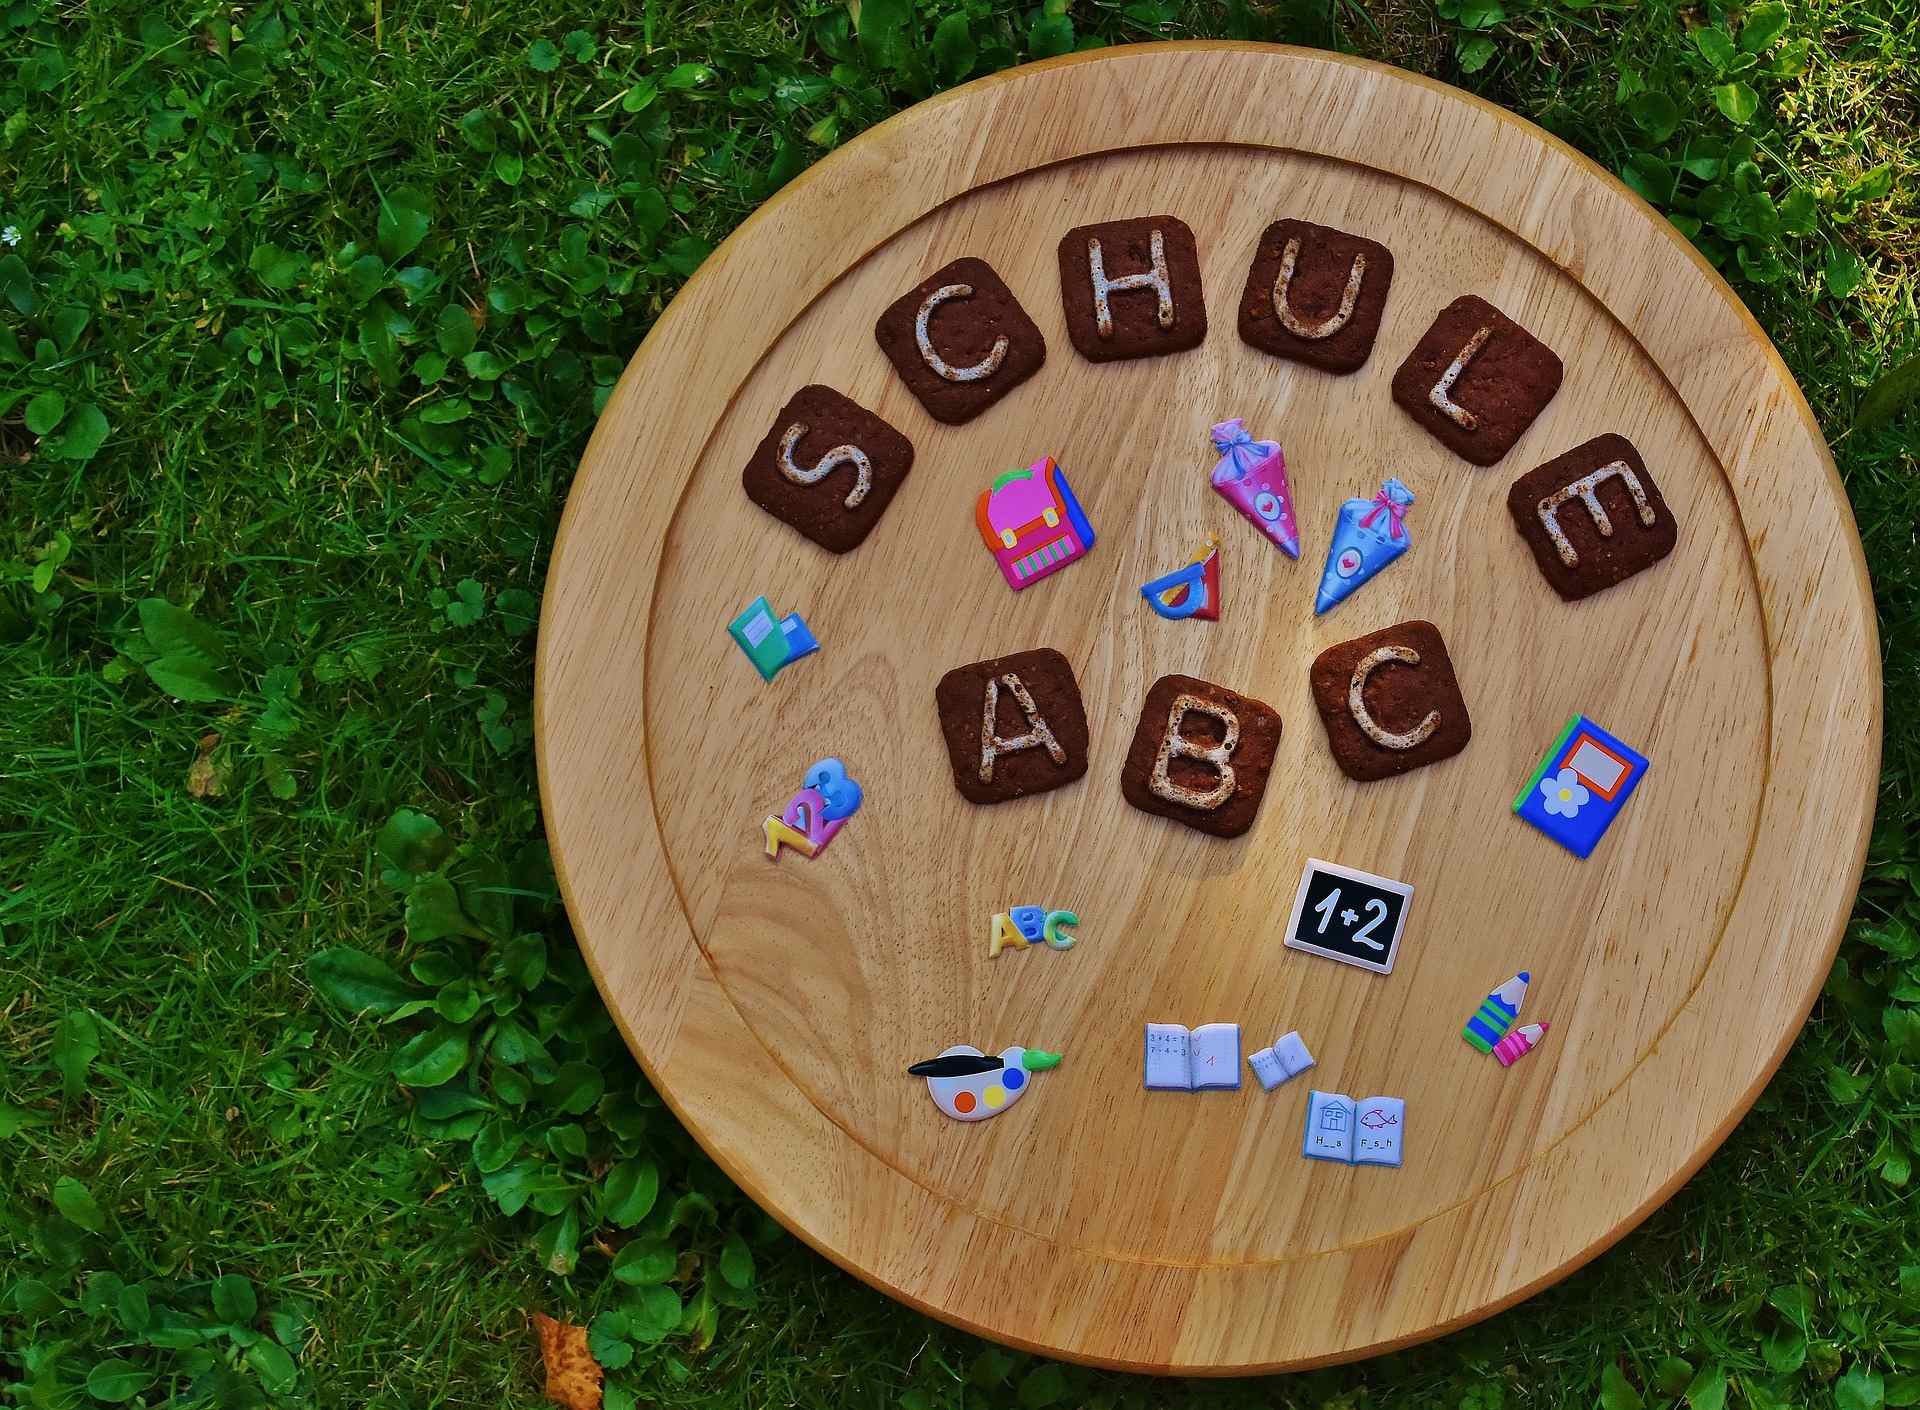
(1367, 535)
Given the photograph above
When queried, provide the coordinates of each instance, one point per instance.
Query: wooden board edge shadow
(666, 973)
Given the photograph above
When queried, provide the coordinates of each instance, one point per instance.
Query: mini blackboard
(1349, 915)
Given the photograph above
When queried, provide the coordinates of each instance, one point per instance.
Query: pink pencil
(1519, 1043)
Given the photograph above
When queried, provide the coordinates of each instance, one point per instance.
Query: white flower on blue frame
(1564, 795)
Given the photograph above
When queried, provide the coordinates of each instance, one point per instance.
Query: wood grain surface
(776, 1006)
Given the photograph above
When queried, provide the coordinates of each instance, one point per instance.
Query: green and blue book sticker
(1581, 786)
(771, 642)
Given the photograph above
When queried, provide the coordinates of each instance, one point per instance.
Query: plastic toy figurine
(968, 1085)
(1368, 535)
(1032, 524)
(771, 642)
(1581, 786)
(1252, 477)
(1189, 592)
(1021, 927)
(814, 816)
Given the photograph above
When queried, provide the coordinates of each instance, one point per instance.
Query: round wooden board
(776, 1006)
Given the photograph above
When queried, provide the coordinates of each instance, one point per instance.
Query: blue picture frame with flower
(1581, 786)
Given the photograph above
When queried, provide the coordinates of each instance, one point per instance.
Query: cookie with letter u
(1390, 701)
(1201, 755)
(828, 467)
(960, 340)
(1315, 295)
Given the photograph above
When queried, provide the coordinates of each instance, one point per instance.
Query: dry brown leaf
(206, 776)
(573, 1376)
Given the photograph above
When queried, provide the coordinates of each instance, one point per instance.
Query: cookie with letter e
(1014, 725)
(1132, 288)
(960, 340)
(1477, 380)
(1390, 701)
(1201, 755)
(828, 467)
(1593, 517)
(1315, 295)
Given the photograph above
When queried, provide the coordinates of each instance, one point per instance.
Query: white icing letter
(1369, 726)
(1174, 743)
(1039, 734)
(828, 463)
(1155, 279)
(1326, 327)
(1585, 490)
(985, 367)
(1458, 414)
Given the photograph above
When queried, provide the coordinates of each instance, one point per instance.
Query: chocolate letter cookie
(1593, 517)
(1315, 295)
(1477, 380)
(1201, 755)
(1390, 701)
(829, 467)
(1132, 288)
(960, 340)
(1013, 725)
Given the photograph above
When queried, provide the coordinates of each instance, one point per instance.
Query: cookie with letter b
(828, 467)
(1132, 288)
(1593, 517)
(1477, 380)
(960, 340)
(1201, 755)
(1315, 295)
(1390, 701)
(1014, 725)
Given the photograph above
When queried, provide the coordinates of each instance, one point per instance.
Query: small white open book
(1288, 1057)
(1366, 1132)
(1183, 1060)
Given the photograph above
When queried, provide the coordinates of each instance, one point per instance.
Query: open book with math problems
(1180, 1059)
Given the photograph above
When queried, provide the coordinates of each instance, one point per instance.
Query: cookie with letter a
(1014, 725)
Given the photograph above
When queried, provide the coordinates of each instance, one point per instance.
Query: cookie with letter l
(1477, 380)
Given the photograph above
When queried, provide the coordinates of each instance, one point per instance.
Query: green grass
(310, 312)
